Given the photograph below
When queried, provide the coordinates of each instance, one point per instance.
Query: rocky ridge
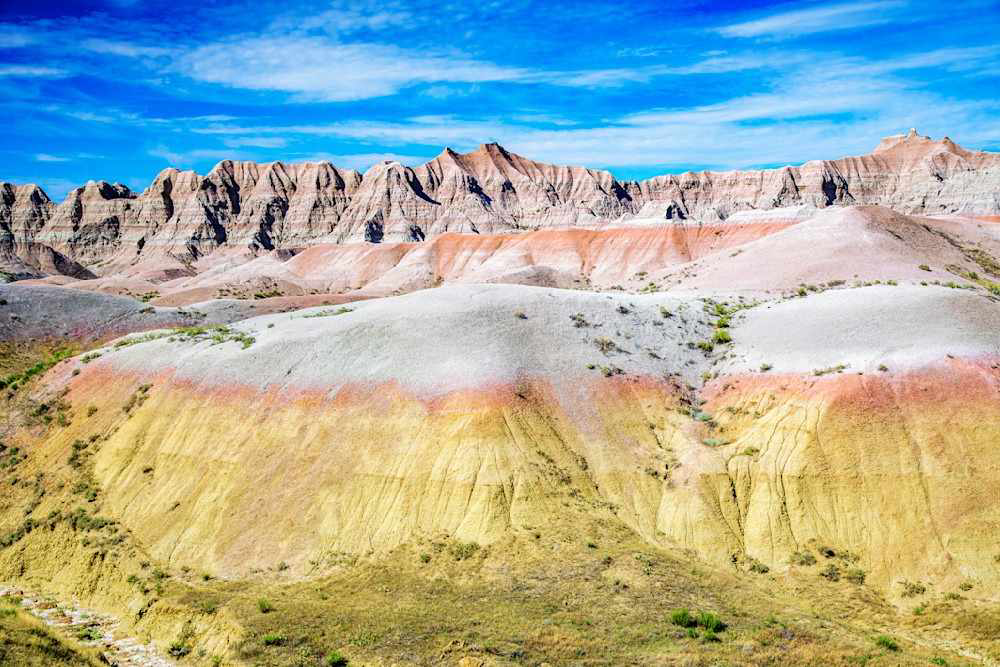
(183, 216)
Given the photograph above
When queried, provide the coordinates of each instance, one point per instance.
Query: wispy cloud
(189, 158)
(45, 157)
(15, 37)
(362, 161)
(32, 71)
(126, 49)
(843, 105)
(815, 20)
(320, 69)
(255, 142)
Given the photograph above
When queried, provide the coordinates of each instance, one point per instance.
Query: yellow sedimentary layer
(899, 471)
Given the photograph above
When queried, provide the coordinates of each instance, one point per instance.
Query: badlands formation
(490, 412)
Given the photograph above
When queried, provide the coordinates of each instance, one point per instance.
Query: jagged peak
(103, 189)
(909, 140)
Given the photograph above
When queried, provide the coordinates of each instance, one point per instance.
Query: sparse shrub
(208, 606)
(579, 321)
(765, 368)
(334, 659)
(758, 567)
(709, 637)
(273, 639)
(463, 550)
(711, 622)
(692, 633)
(887, 642)
(520, 315)
(714, 442)
(179, 649)
(965, 586)
(622, 309)
(89, 634)
(683, 618)
(883, 368)
(721, 337)
(912, 589)
(705, 346)
(831, 572)
(665, 313)
(924, 267)
(855, 576)
(425, 558)
(265, 606)
(605, 344)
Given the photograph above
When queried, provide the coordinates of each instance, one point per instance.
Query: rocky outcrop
(262, 207)
(24, 212)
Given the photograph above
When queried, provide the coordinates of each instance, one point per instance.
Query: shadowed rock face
(184, 216)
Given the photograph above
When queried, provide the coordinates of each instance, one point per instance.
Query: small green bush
(887, 642)
(721, 336)
(179, 649)
(273, 639)
(803, 558)
(334, 659)
(855, 576)
(265, 606)
(463, 550)
(683, 618)
(710, 622)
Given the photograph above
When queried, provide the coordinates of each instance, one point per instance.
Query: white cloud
(256, 142)
(815, 20)
(14, 37)
(57, 188)
(362, 161)
(813, 109)
(32, 71)
(125, 49)
(319, 69)
(187, 158)
(45, 157)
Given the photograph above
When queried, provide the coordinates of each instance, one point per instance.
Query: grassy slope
(24, 640)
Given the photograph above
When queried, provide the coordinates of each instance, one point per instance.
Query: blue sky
(121, 89)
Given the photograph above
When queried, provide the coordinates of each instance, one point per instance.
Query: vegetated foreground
(772, 445)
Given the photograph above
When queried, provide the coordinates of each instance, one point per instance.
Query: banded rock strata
(260, 207)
